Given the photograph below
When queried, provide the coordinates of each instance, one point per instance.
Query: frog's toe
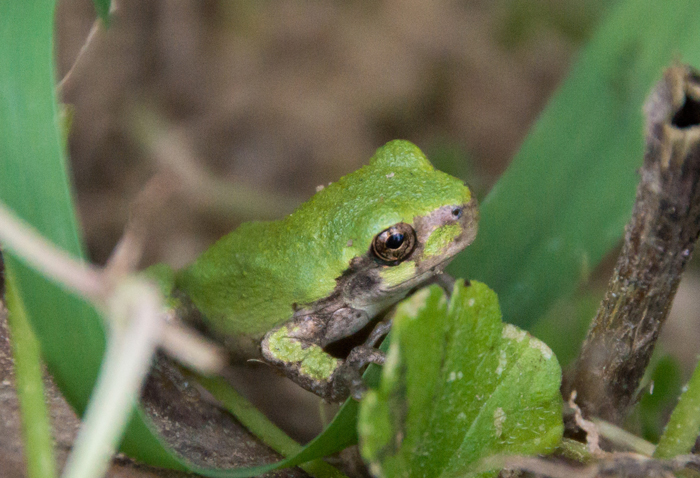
(363, 355)
(347, 379)
(347, 382)
(357, 389)
(380, 331)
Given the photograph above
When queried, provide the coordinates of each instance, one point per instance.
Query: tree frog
(281, 291)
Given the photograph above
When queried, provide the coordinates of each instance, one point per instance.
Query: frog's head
(404, 222)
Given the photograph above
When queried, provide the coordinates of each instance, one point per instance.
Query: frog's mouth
(421, 277)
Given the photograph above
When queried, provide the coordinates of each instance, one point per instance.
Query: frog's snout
(469, 221)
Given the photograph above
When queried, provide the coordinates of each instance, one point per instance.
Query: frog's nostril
(457, 212)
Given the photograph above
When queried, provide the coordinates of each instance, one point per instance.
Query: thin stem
(623, 438)
(255, 421)
(83, 278)
(144, 210)
(36, 429)
(193, 350)
(78, 59)
(82, 54)
(135, 314)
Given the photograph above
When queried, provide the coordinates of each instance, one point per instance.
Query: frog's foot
(300, 359)
(293, 351)
(379, 332)
(347, 379)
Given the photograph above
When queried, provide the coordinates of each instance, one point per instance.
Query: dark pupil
(394, 241)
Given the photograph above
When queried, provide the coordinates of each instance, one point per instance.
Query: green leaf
(654, 407)
(458, 386)
(334, 438)
(34, 184)
(36, 428)
(683, 427)
(564, 200)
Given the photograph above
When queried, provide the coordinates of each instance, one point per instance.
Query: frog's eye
(393, 245)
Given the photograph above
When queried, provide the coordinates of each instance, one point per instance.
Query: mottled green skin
(440, 239)
(315, 363)
(247, 283)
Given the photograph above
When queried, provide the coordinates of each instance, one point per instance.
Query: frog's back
(253, 278)
(249, 280)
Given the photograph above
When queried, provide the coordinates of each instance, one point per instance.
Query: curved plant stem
(623, 438)
(134, 313)
(260, 425)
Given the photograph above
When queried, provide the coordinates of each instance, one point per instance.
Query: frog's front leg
(296, 348)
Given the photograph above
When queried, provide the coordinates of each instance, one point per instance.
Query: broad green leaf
(564, 200)
(35, 185)
(458, 386)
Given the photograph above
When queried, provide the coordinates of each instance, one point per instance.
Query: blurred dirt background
(284, 96)
(275, 98)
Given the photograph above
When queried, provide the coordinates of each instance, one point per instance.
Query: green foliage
(565, 198)
(684, 425)
(102, 8)
(36, 429)
(333, 439)
(558, 209)
(34, 184)
(565, 324)
(655, 405)
(458, 386)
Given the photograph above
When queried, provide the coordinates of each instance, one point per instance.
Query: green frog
(282, 291)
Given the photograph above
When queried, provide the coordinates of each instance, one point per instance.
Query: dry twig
(659, 242)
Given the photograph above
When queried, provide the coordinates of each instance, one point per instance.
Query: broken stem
(659, 241)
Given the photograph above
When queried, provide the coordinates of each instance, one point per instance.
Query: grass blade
(34, 184)
(684, 425)
(36, 428)
(563, 202)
